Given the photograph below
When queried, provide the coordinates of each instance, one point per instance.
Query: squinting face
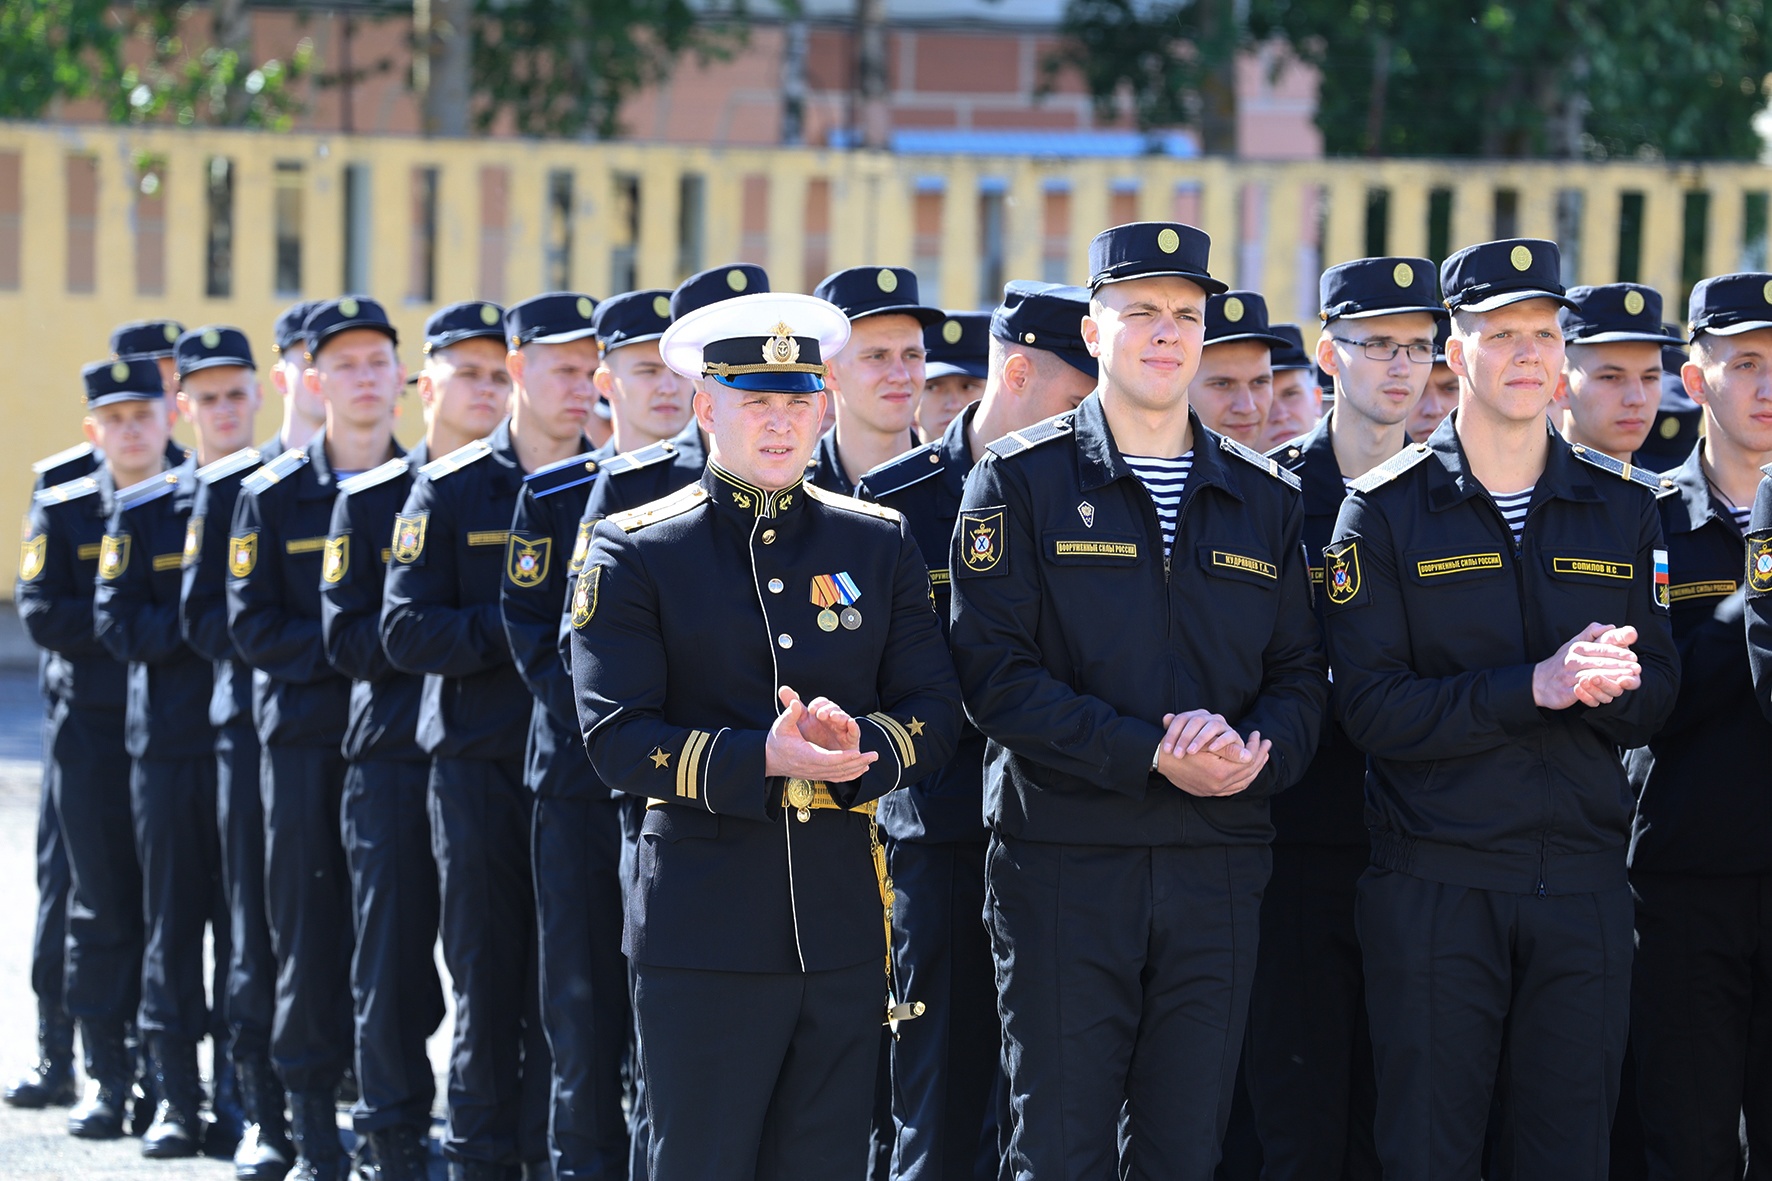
(1298, 403)
(1734, 384)
(1234, 389)
(220, 403)
(764, 439)
(1437, 401)
(876, 377)
(131, 434)
(358, 376)
(1610, 392)
(1147, 334)
(1510, 360)
(643, 391)
(466, 386)
(942, 400)
(556, 388)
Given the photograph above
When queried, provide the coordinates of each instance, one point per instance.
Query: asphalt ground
(35, 1145)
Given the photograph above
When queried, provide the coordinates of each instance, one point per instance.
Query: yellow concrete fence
(101, 224)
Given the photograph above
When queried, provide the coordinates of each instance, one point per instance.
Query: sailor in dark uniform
(752, 931)
(876, 379)
(947, 1088)
(126, 419)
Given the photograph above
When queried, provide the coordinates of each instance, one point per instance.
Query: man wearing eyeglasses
(1308, 1057)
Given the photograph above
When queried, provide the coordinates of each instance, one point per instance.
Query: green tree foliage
(564, 67)
(54, 49)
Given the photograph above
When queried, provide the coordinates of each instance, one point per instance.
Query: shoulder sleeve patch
(379, 474)
(1026, 439)
(279, 469)
(1655, 482)
(629, 461)
(66, 455)
(1255, 458)
(456, 460)
(1342, 580)
(1759, 563)
(1391, 468)
(674, 505)
(227, 465)
(148, 490)
(981, 537)
(866, 508)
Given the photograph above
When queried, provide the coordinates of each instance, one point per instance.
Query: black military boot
(264, 1152)
(399, 1153)
(99, 1114)
(177, 1128)
(49, 1083)
(467, 1170)
(221, 1133)
(319, 1155)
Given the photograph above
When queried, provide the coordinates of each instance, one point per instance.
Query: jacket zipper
(1526, 646)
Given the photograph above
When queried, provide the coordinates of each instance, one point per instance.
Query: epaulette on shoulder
(1026, 439)
(1391, 468)
(568, 473)
(381, 473)
(150, 489)
(630, 461)
(68, 455)
(901, 471)
(1655, 482)
(1290, 454)
(674, 505)
(865, 507)
(456, 460)
(227, 465)
(1254, 458)
(72, 490)
(276, 471)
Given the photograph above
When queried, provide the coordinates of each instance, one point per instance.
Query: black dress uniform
(949, 1095)
(57, 574)
(1495, 922)
(395, 992)
(250, 995)
(440, 617)
(1308, 1056)
(576, 843)
(172, 790)
(301, 707)
(860, 292)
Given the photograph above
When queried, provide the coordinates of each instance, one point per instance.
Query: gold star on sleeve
(916, 728)
(661, 758)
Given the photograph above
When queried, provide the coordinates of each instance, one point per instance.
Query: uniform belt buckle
(800, 794)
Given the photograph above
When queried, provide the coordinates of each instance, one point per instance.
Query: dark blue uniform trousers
(49, 938)
(104, 943)
(251, 993)
(395, 992)
(584, 982)
(1123, 981)
(177, 844)
(308, 900)
(1477, 992)
(1308, 1056)
(633, 815)
(759, 1076)
(481, 816)
(946, 1065)
(1701, 1023)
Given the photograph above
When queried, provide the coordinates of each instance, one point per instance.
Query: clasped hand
(815, 740)
(1203, 756)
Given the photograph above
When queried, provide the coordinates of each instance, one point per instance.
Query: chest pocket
(1445, 567)
(1240, 562)
(1590, 567)
(1093, 549)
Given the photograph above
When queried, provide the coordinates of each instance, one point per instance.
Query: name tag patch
(1248, 565)
(1095, 549)
(1715, 589)
(1457, 564)
(1594, 567)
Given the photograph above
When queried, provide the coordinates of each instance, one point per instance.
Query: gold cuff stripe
(168, 561)
(689, 764)
(304, 545)
(489, 537)
(901, 737)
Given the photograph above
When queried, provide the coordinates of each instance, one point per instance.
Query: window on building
(753, 226)
(495, 195)
(692, 216)
(421, 281)
(1570, 204)
(149, 216)
(1630, 236)
(1252, 237)
(816, 250)
(624, 234)
(1186, 204)
(926, 216)
(11, 219)
(1123, 202)
(1439, 224)
(1694, 240)
(82, 174)
(286, 215)
(1055, 234)
(993, 216)
(218, 257)
(1753, 231)
(557, 244)
(1507, 213)
(359, 226)
(1378, 222)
